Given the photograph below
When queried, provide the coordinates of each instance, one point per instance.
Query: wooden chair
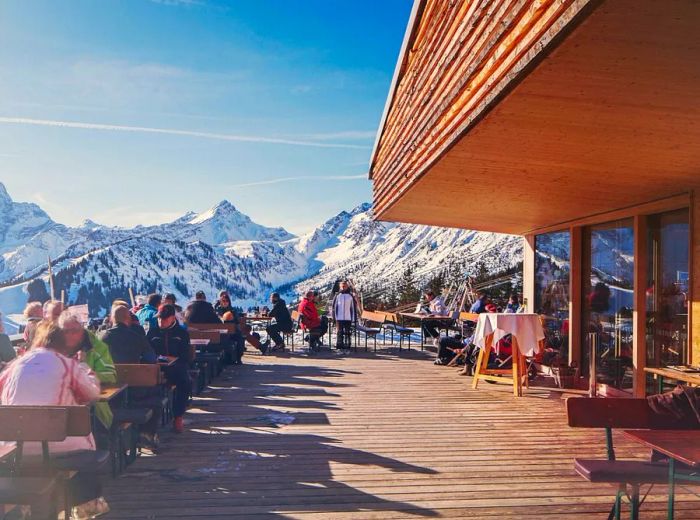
(393, 325)
(296, 318)
(363, 326)
(610, 413)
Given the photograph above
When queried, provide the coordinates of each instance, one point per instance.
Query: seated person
(513, 304)
(436, 307)
(168, 338)
(310, 320)
(85, 346)
(34, 312)
(7, 352)
(201, 311)
(170, 299)
(147, 313)
(47, 375)
(479, 305)
(283, 322)
(449, 347)
(125, 345)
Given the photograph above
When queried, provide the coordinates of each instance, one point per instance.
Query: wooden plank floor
(364, 437)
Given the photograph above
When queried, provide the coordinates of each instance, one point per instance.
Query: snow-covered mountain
(223, 248)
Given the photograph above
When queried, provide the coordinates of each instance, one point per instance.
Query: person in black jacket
(201, 311)
(125, 345)
(168, 338)
(283, 322)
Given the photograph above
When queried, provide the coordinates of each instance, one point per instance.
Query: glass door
(667, 289)
(608, 292)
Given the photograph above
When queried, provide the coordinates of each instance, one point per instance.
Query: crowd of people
(63, 362)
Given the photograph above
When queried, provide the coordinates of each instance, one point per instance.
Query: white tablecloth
(526, 328)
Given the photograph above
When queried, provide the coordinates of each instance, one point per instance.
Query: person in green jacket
(95, 353)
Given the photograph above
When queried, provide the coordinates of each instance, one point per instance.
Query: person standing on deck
(436, 307)
(310, 320)
(168, 338)
(283, 322)
(344, 312)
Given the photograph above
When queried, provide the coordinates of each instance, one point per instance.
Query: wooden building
(576, 124)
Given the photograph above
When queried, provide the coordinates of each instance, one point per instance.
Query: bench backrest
(375, 317)
(33, 423)
(230, 327)
(138, 375)
(608, 412)
(214, 336)
(468, 316)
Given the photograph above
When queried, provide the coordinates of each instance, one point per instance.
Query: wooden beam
(575, 298)
(639, 346)
(529, 273)
(694, 297)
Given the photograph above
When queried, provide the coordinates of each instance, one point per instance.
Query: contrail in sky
(301, 178)
(170, 131)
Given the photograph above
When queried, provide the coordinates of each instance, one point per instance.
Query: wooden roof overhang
(515, 116)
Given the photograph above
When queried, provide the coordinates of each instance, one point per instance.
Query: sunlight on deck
(365, 437)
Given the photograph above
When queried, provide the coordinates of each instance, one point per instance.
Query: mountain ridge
(224, 248)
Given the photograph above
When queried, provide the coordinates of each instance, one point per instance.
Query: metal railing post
(592, 368)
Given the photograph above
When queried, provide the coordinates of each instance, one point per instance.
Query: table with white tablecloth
(526, 332)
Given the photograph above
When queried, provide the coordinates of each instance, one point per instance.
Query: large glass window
(608, 292)
(552, 292)
(667, 289)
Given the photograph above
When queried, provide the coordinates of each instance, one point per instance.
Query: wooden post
(529, 273)
(51, 287)
(131, 296)
(639, 347)
(575, 299)
(694, 296)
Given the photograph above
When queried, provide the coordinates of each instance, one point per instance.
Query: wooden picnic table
(107, 393)
(679, 445)
(422, 318)
(259, 318)
(201, 342)
(675, 374)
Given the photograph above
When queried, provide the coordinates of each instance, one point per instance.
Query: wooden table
(107, 393)
(526, 332)
(679, 445)
(201, 342)
(422, 318)
(660, 374)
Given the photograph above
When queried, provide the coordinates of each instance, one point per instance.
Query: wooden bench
(363, 326)
(32, 478)
(610, 413)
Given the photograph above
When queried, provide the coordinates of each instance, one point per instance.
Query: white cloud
(172, 131)
(300, 178)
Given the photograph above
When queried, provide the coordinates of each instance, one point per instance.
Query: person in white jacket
(48, 376)
(344, 311)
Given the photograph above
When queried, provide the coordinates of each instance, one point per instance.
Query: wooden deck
(364, 437)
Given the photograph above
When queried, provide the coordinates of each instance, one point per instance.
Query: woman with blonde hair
(34, 312)
(48, 376)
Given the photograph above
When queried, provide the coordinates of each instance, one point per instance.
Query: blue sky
(136, 111)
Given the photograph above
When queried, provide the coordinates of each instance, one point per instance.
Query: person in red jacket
(310, 320)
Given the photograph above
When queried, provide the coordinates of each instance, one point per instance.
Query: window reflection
(667, 289)
(552, 292)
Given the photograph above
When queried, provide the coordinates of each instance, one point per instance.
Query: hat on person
(166, 311)
(491, 308)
